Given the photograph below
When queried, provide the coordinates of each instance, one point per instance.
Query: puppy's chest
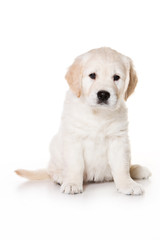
(95, 153)
(96, 141)
(96, 146)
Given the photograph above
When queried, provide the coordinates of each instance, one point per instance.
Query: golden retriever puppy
(92, 143)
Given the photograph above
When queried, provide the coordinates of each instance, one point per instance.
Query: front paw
(71, 188)
(131, 188)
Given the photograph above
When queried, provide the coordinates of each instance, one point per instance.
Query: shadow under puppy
(92, 143)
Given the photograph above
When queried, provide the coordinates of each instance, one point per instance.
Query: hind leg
(139, 172)
(55, 173)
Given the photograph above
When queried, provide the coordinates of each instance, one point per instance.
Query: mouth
(102, 102)
(109, 104)
(99, 102)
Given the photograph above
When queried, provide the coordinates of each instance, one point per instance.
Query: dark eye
(116, 77)
(92, 75)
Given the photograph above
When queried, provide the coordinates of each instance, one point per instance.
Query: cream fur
(92, 143)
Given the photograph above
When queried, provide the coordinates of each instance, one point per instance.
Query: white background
(38, 41)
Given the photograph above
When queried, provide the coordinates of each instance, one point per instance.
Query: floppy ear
(132, 81)
(74, 76)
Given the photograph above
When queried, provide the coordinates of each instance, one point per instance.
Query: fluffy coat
(92, 143)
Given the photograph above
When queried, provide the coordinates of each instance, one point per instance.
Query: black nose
(103, 96)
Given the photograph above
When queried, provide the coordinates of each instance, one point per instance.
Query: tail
(40, 174)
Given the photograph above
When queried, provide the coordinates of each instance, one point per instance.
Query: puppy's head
(102, 77)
